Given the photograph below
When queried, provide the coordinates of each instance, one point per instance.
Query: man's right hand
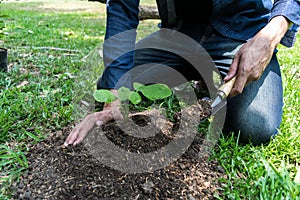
(110, 112)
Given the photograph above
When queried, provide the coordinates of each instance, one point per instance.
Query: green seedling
(152, 92)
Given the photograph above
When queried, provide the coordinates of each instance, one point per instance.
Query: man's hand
(254, 56)
(110, 112)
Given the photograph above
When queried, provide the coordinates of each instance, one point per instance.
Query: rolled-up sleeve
(291, 10)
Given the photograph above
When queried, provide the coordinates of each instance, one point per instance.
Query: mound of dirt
(56, 172)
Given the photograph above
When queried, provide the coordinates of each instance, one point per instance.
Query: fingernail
(66, 144)
(99, 123)
(74, 143)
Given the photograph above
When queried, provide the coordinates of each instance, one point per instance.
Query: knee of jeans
(254, 128)
(261, 134)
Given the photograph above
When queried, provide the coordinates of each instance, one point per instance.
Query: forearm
(274, 31)
(290, 9)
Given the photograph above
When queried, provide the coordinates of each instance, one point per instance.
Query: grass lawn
(37, 94)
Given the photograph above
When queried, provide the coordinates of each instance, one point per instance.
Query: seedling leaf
(135, 98)
(156, 91)
(137, 86)
(104, 96)
(124, 93)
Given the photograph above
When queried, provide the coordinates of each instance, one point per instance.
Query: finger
(239, 85)
(72, 137)
(80, 131)
(233, 68)
(80, 137)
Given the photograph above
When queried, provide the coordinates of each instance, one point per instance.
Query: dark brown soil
(73, 173)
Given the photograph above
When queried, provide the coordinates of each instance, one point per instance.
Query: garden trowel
(223, 92)
(220, 101)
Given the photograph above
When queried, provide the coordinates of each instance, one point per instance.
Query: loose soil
(56, 172)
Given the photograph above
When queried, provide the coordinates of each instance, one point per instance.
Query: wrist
(275, 30)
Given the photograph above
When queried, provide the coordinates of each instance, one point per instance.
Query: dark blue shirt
(237, 19)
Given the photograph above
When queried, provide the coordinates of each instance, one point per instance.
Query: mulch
(56, 172)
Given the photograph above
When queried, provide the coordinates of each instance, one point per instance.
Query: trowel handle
(227, 87)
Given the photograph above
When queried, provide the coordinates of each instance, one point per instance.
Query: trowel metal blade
(217, 101)
(218, 106)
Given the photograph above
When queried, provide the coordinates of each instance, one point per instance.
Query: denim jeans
(255, 114)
